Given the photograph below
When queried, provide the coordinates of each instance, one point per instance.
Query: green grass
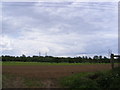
(17, 81)
(32, 82)
(44, 63)
(80, 80)
(104, 80)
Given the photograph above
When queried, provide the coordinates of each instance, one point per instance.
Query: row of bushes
(98, 80)
(23, 58)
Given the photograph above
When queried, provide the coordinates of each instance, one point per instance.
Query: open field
(53, 71)
(45, 75)
(43, 63)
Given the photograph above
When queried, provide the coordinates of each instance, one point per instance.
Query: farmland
(53, 71)
(13, 63)
(45, 75)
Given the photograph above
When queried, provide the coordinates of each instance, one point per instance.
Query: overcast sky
(59, 28)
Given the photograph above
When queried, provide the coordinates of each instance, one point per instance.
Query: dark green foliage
(104, 81)
(110, 79)
(80, 83)
(97, 80)
(115, 83)
(84, 59)
(96, 75)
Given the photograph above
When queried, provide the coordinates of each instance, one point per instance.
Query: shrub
(110, 79)
(98, 80)
(81, 82)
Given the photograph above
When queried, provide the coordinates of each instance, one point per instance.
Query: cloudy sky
(59, 28)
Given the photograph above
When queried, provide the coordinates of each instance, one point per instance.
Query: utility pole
(45, 53)
(112, 61)
(39, 54)
(109, 53)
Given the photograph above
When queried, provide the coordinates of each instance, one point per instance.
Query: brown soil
(51, 72)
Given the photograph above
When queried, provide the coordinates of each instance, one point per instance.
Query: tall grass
(16, 81)
(97, 80)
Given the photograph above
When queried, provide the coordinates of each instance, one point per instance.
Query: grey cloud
(59, 31)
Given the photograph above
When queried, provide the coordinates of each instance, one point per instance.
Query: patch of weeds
(16, 81)
(95, 75)
(75, 83)
(98, 80)
(12, 81)
(110, 79)
(32, 83)
(78, 81)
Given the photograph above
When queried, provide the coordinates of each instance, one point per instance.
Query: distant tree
(105, 57)
(52, 59)
(23, 55)
(95, 57)
(100, 57)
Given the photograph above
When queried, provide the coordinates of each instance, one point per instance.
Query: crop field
(43, 63)
(44, 74)
(53, 71)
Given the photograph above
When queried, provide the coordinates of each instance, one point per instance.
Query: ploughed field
(52, 71)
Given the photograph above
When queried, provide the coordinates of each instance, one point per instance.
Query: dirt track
(53, 71)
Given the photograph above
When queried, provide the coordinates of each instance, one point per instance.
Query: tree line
(51, 59)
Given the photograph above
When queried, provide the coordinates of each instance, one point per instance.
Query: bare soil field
(51, 72)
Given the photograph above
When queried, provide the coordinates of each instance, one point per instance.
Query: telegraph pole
(112, 61)
(46, 54)
(39, 54)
